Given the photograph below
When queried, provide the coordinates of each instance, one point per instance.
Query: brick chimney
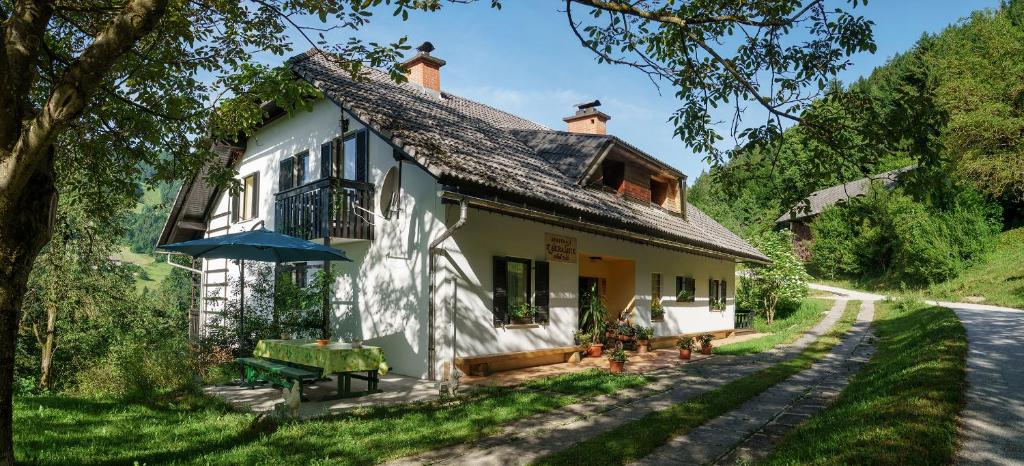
(588, 119)
(424, 69)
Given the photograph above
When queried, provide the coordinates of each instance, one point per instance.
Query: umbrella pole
(241, 306)
(325, 306)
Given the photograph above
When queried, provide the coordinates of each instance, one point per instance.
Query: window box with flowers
(522, 314)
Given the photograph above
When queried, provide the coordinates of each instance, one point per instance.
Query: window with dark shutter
(362, 151)
(686, 289)
(235, 204)
(254, 207)
(541, 297)
(722, 291)
(302, 175)
(285, 175)
(500, 307)
(326, 158)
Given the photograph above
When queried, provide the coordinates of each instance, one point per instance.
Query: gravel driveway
(993, 419)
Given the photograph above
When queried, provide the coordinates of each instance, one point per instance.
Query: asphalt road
(993, 418)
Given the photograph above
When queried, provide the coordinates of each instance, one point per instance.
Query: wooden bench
(276, 373)
(485, 364)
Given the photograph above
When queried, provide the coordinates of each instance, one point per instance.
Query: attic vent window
(613, 172)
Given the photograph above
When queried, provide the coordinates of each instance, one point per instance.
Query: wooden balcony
(329, 207)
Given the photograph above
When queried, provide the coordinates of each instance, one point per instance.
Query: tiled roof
(821, 199)
(466, 143)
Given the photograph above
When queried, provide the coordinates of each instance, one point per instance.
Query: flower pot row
(686, 345)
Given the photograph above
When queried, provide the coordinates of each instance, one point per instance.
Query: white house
(455, 212)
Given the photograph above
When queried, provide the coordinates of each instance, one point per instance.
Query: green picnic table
(343, 359)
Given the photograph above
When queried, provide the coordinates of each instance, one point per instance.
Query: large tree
(107, 87)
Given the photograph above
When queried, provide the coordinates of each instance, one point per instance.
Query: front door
(589, 286)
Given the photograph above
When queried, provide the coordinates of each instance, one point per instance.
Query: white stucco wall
(468, 285)
(381, 296)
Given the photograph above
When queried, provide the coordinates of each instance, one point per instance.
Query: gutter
(593, 227)
(434, 250)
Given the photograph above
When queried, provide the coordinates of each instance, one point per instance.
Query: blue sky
(524, 59)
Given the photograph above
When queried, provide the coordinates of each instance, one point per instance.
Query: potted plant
(586, 339)
(522, 314)
(717, 304)
(657, 310)
(643, 338)
(617, 361)
(625, 332)
(685, 345)
(684, 296)
(594, 314)
(705, 343)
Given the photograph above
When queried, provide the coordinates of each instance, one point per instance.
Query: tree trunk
(46, 358)
(26, 227)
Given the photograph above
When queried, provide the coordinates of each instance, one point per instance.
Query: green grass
(156, 270)
(786, 328)
(55, 430)
(901, 408)
(999, 278)
(637, 439)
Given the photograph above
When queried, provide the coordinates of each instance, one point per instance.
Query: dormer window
(613, 172)
(659, 191)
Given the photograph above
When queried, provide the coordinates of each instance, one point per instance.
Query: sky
(524, 59)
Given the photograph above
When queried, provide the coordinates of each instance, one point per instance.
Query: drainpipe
(434, 250)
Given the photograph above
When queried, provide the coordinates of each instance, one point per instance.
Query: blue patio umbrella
(261, 245)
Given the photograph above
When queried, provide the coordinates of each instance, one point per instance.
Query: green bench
(276, 373)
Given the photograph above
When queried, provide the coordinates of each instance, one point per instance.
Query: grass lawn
(156, 270)
(785, 329)
(637, 439)
(901, 408)
(999, 279)
(56, 430)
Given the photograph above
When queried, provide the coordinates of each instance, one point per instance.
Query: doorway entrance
(590, 287)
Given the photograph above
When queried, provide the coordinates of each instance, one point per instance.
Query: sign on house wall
(558, 248)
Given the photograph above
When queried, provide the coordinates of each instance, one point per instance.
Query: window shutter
(286, 175)
(712, 292)
(326, 158)
(255, 195)
(361, 155)
(721, 289)
(679, 287)
(235, 204)
(542, 297)
(500, 307)
(337, 156)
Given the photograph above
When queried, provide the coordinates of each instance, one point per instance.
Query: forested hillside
(953, 105)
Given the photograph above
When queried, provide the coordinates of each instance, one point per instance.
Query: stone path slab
(532, 438)
(747, 432)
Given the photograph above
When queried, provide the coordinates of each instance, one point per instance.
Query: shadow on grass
(61, 430)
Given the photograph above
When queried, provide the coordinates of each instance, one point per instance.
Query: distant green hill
(143, 227)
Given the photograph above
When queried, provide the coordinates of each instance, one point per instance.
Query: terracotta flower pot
(684, 353)
(643, 346)
(595, 350)
(323, 342)
(705, 349)
(616, 367)
(522, 320)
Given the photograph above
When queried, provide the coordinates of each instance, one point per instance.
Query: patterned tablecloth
(332, 358)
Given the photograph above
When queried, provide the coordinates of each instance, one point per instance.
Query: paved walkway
(992, 428)
(992, 421)
(530, 439)
(749, 432)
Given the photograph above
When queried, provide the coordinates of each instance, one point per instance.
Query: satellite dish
(389, 192)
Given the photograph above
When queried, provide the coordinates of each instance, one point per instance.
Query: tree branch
(76, 86)
(21, 39)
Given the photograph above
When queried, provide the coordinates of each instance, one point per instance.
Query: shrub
(890, 235)
(783, 282)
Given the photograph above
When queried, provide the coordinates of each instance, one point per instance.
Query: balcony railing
(328, 207)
